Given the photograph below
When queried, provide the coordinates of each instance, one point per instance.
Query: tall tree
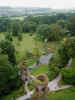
(8, 48)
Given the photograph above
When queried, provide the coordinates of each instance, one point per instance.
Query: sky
(56, 4)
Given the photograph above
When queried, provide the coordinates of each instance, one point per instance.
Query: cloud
(39, 3)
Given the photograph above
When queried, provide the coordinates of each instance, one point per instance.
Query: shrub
(53, 67)
(68, 75)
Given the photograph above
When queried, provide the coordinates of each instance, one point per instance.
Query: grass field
(40, 69)
(27, 44)
(66, 94)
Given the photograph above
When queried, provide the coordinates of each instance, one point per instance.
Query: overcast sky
(39, 3)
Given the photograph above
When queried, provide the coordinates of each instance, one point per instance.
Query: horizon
(38, 7)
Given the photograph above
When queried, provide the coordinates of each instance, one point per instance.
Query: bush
(28, 54)
(68, 75)
(53, 67)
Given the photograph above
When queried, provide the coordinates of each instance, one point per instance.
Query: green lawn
(27, 43)
(40, 69)
(66, 94)
(1, 36)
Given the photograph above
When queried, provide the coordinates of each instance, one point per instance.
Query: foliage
(71, 25)
(16, 28)
(43, 31)
(28, 54)
(68, 75)
(9, 79)
(56, 32)
(7, 48)
(29, 27)
(53, 67)
(4, 24)
(67, 50)
(8, 36)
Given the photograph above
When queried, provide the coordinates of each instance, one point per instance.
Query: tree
(29, 26)
(67, 50)
(8, 48)
(8, 36)
(71, 25)
(43, 31)
(56, 32)
(62, 23)
(9, 78)
(54, 67)
(16, 28)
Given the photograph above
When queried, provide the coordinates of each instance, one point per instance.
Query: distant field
(18, 18)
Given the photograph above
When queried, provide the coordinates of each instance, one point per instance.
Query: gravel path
(44, 59)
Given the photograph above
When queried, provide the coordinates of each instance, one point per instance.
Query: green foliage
(43, 31)
(16, 28)
(31, 85)
(68, 75)
(71, 25)
(29, 27)
(4, 24)
(54, 67)
(7, 48)
(9, 79)
(52, 32)
(56, 32)
(8, 36)
(67, 50)
(62, 23)
(28, 54)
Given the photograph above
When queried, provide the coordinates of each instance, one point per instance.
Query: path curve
(52, 85)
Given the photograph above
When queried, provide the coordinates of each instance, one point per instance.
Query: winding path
(52, 85)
